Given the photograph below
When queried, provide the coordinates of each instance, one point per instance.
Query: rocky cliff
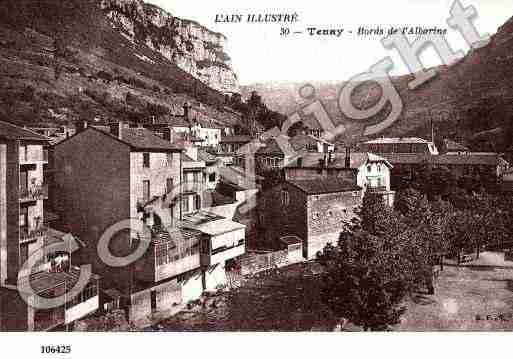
(192, 47)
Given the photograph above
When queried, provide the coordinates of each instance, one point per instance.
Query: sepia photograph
(190, 169)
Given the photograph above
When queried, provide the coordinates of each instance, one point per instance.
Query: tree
(366, 280)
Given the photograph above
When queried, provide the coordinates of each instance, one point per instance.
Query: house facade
(314, 206)
(131, 173)
(25, 237)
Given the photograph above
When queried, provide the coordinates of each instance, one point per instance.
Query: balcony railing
(223, 253)
(29, 235)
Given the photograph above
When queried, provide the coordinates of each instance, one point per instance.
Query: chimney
(348, 157)
(116, 129)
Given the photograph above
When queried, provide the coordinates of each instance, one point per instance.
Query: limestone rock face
(191, 46)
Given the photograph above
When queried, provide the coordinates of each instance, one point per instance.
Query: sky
(260, 54)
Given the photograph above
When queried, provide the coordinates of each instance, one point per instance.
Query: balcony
(222, 254)
(55, 284)
(170, 254)
(34, 193)
(31, 235)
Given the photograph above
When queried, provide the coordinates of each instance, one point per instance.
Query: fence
(257, 261)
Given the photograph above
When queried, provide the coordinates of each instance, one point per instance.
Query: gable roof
(9, 131)
(324, 185)
(339, 161)
(138, 139)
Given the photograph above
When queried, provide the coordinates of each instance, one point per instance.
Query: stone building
(312, 203)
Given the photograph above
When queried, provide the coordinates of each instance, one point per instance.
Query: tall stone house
(311, 203)
(24, 235)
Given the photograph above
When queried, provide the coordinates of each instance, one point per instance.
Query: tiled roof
(235, 139)
(399, 140)
(463, 159)
(466, 159)
(325, 185)
(143, 139)
(12, 132)
(357, 160)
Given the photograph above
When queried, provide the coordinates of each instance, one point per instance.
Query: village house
(24, 232)
(374, 172)
(309, 143)
(313, 204)
(274, 154)
(230, 149)
(141, 175)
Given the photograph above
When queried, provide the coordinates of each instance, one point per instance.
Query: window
(379, 167)
(24, 217)
(369, 168)
(169, 161)
(356, 194)
(185, 204)
(169, 185)
(197, 202)
(146, 191)
(146, 160)
(285, 200)
(212, 177)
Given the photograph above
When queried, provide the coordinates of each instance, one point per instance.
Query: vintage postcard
(272, 166)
